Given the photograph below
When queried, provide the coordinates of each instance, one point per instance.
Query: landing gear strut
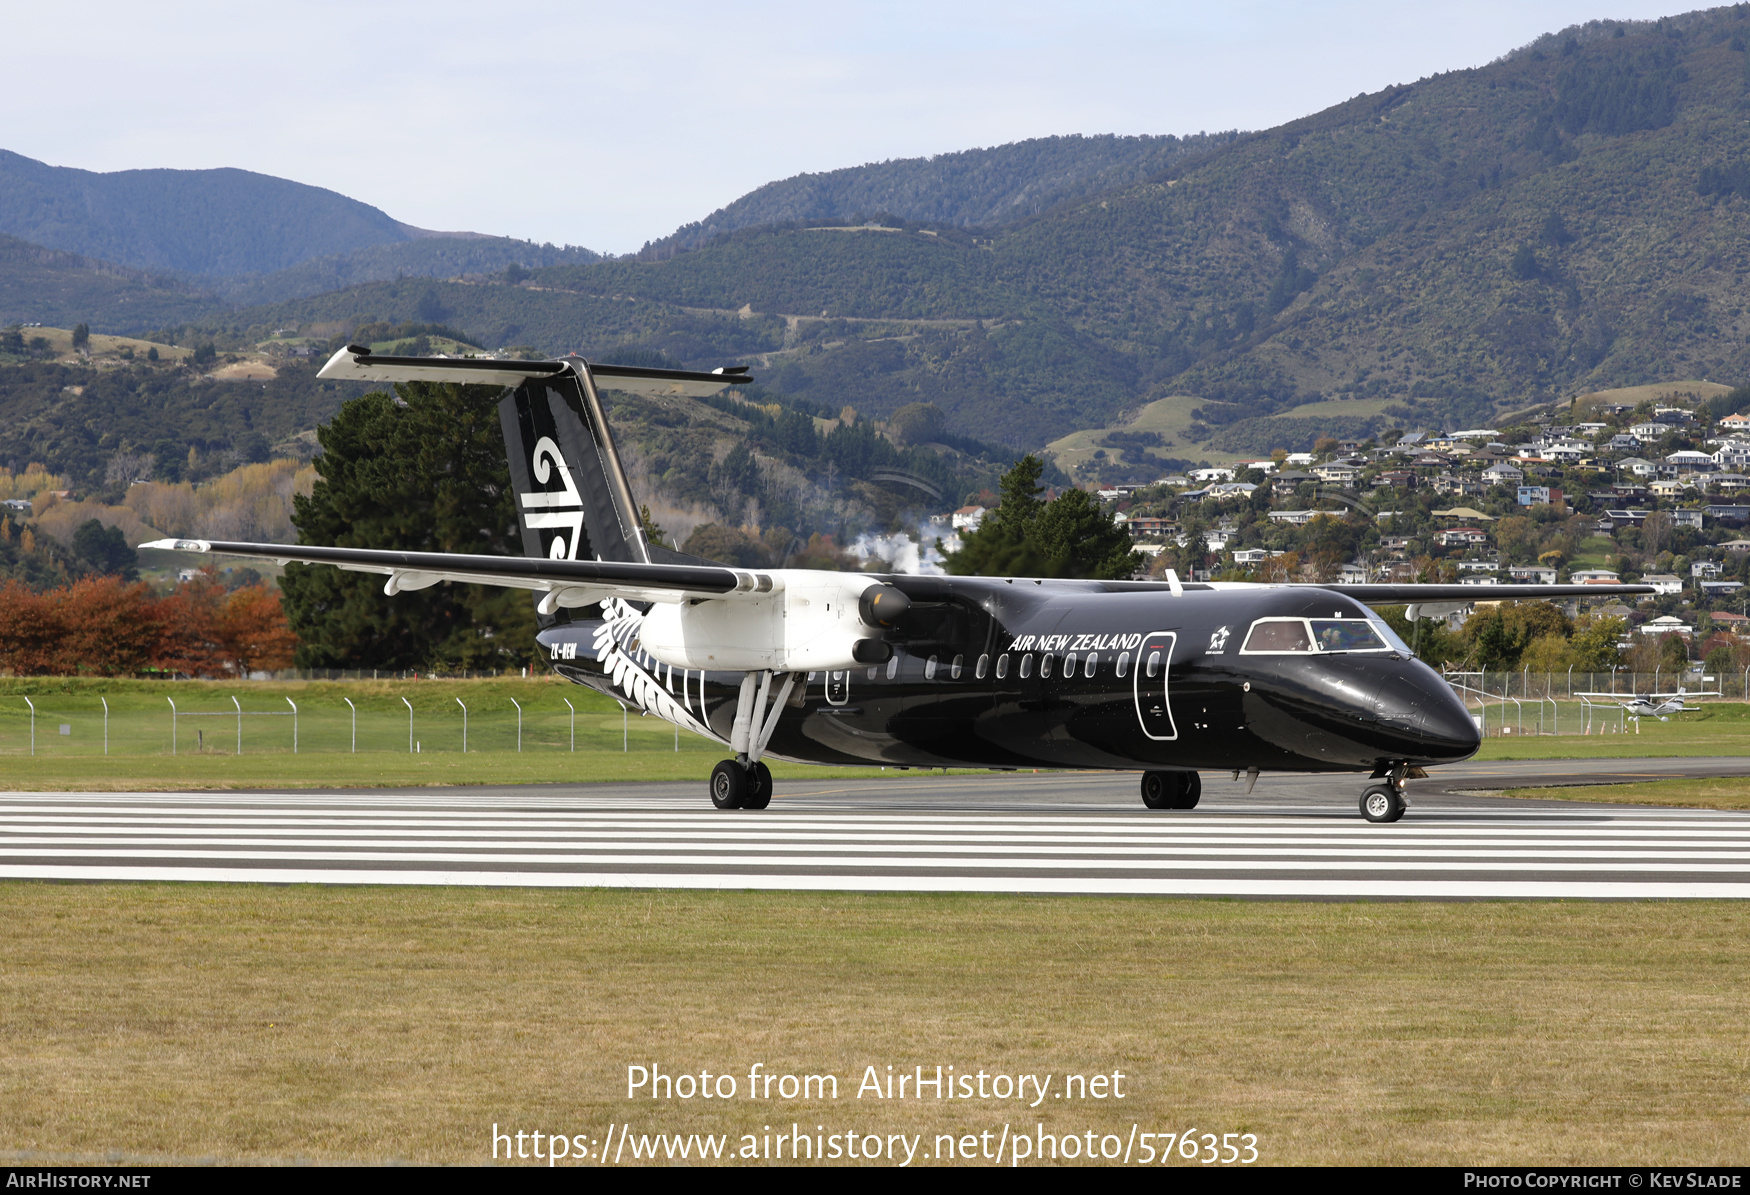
(744, 782)
(1171, 790)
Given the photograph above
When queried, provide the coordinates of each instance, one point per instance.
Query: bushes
(108, 627)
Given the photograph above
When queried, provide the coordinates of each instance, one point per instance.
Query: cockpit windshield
(1279, 635)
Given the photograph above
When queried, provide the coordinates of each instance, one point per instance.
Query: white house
(1208, 475)
(1594, 576)
(1634, 466)
(1503, 474)
(1532, 575)
(1652, 430)
(1665, 624)
(1697, 462)
(1302, 459)
(967, 518)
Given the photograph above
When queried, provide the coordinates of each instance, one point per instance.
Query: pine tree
(424, 472)
(1026, 536)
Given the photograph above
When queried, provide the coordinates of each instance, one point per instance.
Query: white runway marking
(560, 841)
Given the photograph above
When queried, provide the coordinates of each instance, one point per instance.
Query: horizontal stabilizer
(356, 364)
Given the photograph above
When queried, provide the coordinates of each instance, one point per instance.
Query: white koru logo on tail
(544, 509)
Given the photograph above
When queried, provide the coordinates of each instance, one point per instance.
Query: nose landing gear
(1384, 802)
(1171, 790)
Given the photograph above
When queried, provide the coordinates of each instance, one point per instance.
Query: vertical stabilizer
(571, 491)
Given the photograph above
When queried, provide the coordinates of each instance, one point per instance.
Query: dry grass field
(244, 1023)
(1731, 792)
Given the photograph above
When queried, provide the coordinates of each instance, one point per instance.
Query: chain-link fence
(246, 723)
(1527, 702)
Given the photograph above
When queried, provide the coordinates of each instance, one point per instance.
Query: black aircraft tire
(759, 787)
(1158, 790)
(1381, 804)
(728, 785)
(1192, 792)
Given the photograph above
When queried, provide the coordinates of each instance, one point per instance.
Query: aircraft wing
(1395, 595)
(569, 583)
(356, 364)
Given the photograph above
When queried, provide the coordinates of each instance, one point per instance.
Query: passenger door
(1153, 663)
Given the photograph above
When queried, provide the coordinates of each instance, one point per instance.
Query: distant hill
(198, 222)
(46, 286)
(972, 188)
(1572, 217)
(428, 257)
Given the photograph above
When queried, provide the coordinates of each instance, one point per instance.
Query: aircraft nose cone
(1423, 712)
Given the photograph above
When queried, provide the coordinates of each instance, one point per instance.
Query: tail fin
(572, 494)
(571, 490)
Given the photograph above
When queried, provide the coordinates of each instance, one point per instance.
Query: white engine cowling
(810, 621)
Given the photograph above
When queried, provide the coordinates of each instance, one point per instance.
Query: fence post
(355, 723)
(573, 710)
(625, 728)
(409, 706)
(239, 706)
(464, 724)
(105, 701)
(519, 724)
(172, 702)
(294, 706)
(32, 706)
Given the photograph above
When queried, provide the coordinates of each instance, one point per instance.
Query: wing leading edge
(568, 583)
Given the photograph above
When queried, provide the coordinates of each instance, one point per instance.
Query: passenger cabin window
(930, 668)
(1045, 665)
(1093, 663)
(982, 667)
(893, 667)
(1154, 664)
(1123, 663)
(1003, 666)
(1069, 666)
(955, 667)
(1026, 666)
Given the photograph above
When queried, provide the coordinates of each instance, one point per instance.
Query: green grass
(610, 745)
(1719, 728)
(249, 1023)
(1720, 793)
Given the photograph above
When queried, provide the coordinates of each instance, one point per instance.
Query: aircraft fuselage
(1068, 674)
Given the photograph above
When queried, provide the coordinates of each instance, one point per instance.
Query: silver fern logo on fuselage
(554, 509)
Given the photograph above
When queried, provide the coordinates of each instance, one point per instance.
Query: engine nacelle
(811, 621)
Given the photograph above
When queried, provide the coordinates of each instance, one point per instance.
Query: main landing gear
(1171, 790)
(744, 782)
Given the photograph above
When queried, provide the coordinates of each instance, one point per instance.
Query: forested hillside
(190, 221)
(976, 188)
(1572, 217)
(47, 286)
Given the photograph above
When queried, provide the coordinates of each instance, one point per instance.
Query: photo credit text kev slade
(988, 1117)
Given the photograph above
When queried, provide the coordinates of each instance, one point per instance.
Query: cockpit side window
(1347, 634)
(1278, 634)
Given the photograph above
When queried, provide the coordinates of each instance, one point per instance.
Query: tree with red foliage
(104, 626)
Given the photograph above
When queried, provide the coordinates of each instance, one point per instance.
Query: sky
(611, 124)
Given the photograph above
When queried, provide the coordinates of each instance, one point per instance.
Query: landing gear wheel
(1171, 790)
(728, 785)
(1382, 803)
(1157, 790)
(759, 787)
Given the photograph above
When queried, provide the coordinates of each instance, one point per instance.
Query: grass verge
(1722, 793)
(245, 1022)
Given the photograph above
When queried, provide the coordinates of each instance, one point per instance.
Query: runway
(1062, 833)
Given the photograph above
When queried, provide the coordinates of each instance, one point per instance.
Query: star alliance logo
(1218, 641)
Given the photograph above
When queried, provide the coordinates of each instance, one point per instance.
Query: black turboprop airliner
(909, 671)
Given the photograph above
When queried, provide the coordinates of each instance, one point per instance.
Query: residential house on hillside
(1594, 576)
(1688, 460)
(968, 518)
(1665, 624)
(1337, 472)
(1624, 442)
(1634, 466)
(1690, 517)
(1652, 429)
(1502, 474)
(1457, 537)
(1539, 495)
(1663, 583)
(1737, 422)
(1532, 575)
